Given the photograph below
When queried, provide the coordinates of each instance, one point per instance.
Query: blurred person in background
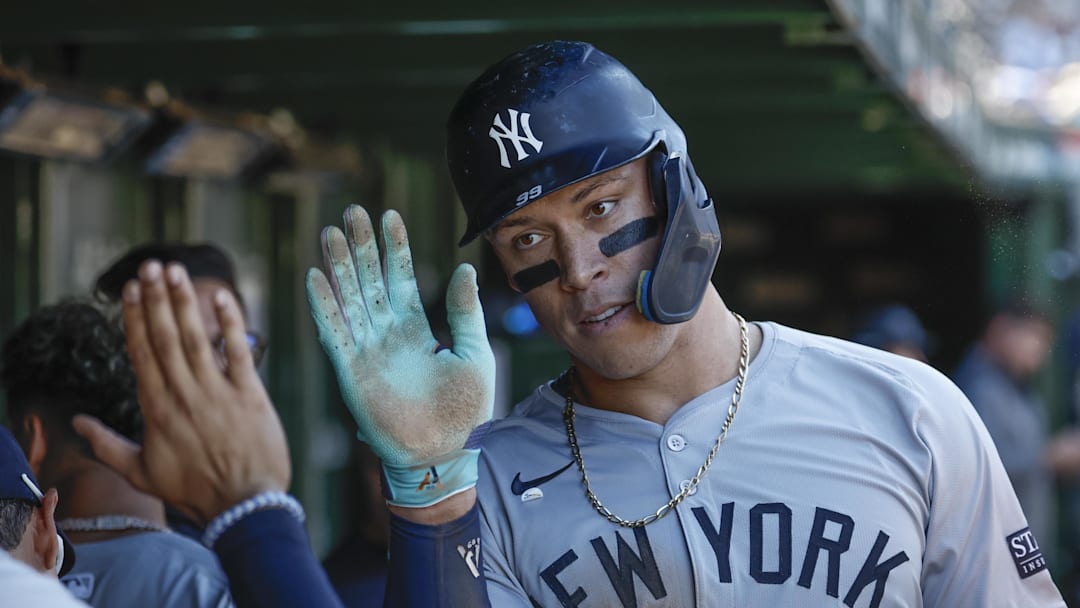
(34, 551)
(1069, 476)
(210, 269)
(69, 359)
(997, 375)
(896, 329)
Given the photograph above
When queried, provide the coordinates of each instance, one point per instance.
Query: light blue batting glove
(420, 406)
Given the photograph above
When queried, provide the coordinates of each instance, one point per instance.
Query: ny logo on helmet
(501, 134)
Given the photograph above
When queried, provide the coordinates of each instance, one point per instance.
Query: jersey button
(676, 443)
(686, 484)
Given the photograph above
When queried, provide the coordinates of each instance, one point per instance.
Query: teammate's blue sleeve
(269, 562)
(436, 566)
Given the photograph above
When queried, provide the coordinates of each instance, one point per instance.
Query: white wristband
(259, 502)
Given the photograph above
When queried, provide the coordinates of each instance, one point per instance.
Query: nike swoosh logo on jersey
(518, 487)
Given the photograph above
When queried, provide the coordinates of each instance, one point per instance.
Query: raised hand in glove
(420, 406)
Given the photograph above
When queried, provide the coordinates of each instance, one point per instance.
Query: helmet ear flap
(657, 186)
(673, 290)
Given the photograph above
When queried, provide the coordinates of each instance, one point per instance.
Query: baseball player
(687, 457)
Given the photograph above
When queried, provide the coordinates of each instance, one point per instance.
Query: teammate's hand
(211, 437)
(417, 404)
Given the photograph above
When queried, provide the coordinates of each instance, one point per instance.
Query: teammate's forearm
(436, 565)
(269, 563)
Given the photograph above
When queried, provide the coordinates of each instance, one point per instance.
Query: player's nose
(582, 263)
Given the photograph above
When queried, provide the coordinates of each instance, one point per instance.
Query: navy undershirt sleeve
(269, 562)
(436, 566)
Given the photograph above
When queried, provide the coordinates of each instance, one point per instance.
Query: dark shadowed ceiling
(774, 97)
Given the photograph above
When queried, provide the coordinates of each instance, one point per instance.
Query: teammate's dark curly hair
(68, 359)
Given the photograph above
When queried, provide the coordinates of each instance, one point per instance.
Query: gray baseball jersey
(850, 477)
(148, 569)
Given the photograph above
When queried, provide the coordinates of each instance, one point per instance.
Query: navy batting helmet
(557, 113)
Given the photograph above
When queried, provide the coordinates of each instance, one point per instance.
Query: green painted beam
(192, 70)
(684, 57)
(368, 19)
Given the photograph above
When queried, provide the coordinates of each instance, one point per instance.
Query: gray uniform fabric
(850, 477)
(149, 569)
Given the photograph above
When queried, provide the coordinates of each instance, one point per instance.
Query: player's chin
(618, 370)
(617, 362)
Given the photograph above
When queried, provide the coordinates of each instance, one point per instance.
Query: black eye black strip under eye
(624, 238)
(535, 276)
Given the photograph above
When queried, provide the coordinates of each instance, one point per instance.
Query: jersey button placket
(679, 461)
(676, 442)
(686, 484)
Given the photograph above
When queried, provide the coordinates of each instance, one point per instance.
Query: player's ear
(46, 544)
(34, 441)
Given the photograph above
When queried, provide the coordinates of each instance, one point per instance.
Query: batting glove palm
(420, 406)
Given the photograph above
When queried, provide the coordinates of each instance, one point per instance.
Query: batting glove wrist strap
(427, 483)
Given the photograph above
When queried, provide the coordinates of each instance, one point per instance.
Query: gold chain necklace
(691, 486)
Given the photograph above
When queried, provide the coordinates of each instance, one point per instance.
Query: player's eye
(527, 240)
(601, 209)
